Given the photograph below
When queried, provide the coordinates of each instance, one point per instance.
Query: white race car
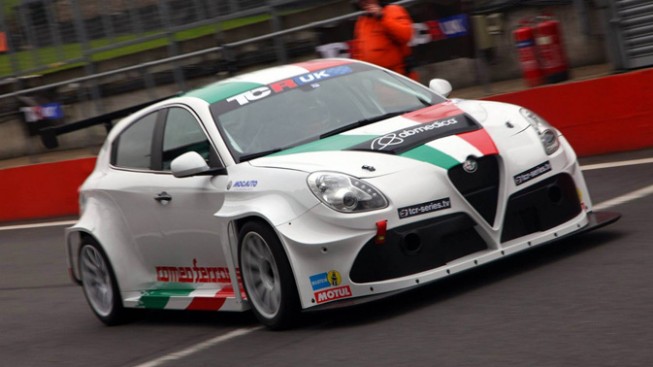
(314, 185)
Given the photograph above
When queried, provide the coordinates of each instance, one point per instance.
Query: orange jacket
(384, 41)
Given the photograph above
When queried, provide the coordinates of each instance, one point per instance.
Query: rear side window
(133, 148)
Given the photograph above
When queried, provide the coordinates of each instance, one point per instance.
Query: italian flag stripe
(455, 147)
(159, 298)
(222, 90)
(208, 302)
(271, 76)
(431, 155)
(321, 64)
(433, 113)
(186, 299)
(445, 152)
(481, 140)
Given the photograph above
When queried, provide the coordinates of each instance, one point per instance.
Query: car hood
(358, 164)
(442, 135)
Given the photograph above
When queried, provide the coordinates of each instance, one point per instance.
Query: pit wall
(598, 116)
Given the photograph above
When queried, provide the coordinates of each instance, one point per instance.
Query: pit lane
(584, 301)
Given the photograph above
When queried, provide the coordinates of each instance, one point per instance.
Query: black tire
(267, 277)
(100, 285)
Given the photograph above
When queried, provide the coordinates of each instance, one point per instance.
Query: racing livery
(315, 185)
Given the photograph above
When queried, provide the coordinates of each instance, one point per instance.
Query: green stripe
(427, 154)
(422, 153)
(158, 298)
(221, 90)
(336, 142)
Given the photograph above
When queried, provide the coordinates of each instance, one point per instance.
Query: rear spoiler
(49, 134)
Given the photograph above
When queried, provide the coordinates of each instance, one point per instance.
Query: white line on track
(38, 225)
(632, 162)
(199, 347)
(631, 196)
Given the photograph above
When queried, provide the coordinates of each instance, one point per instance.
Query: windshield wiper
(363, 122)
(424, 101)
(247, 157)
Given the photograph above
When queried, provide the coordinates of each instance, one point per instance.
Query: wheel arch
(289, 304)
(238, 225)
(75, 237)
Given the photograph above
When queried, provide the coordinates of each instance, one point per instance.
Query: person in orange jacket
(381, 36)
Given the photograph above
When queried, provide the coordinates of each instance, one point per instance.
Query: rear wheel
(267, 276)
(99, 284)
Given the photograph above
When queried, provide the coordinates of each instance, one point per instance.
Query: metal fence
(181, 55)
(42, 34)
(186, 42)
(97, 89)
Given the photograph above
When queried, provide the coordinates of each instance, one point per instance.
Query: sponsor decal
(325, 280)
(403, 140)
(242, 185)
(194, 274)
(310, 79)
(454, 26)
(48, 111)
(385, 141)
(428, 207)
(332, 294)
(532, 173)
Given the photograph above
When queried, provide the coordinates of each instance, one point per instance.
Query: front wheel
(267, 276)
(100, 285)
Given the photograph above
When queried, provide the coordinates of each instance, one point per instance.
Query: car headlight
(548, 134)
(344, 193)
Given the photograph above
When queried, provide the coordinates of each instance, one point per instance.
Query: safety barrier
(43, 190)
(598, 116)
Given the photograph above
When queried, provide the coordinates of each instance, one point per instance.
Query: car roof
(224, 89)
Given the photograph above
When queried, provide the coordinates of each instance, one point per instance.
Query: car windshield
(281, 115)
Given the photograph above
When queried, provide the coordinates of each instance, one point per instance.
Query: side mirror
(189, 164)
(441, 87)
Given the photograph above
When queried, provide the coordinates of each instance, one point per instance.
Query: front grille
(481, 187)
(417, 247)
(540, 207)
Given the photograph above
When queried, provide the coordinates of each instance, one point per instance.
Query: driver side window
(183, 133)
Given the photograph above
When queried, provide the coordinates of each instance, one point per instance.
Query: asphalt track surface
(583, 301)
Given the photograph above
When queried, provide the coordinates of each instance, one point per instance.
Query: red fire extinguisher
(550, 50)
(528, 59)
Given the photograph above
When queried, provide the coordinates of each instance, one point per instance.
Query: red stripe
(481, 140)
(433, 113)
(211, 303)
(228, 291)
(315, 65)
(207, 303)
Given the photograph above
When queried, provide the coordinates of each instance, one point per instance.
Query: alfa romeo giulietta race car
(314, 185)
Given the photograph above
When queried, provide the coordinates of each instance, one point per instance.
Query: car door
(191, 249)
(128, 185)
